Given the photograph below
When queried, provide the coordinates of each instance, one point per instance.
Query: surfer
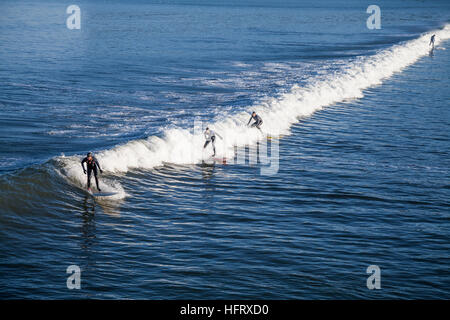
(210, 136)
(258, 121)
(432, 41)
(92, 164)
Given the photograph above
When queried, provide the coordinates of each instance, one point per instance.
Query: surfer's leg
(89, 171)
(206, 143)
(96, 179)
(213, 145)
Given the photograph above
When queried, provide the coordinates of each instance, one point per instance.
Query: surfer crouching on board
(92, 165)
(258, 121)
(210, 136)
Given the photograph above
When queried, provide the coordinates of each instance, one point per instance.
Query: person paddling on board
(432, 40)
(258, 121)
(210, 136)
(92, 164)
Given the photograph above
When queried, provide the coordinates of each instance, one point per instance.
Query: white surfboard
(222, 160)
(215, 160)
(101, 194)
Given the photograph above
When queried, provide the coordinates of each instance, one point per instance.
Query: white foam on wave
(182, 146)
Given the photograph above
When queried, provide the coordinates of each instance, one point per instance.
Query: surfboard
(101, 194)
(223, 160)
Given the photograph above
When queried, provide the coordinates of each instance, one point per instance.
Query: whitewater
(184, 146)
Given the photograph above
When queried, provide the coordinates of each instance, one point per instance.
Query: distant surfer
(432, 41)
(258, 121)
(210, 136)
(92, 164)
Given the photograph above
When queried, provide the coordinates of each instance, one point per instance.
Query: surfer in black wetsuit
(92, 164)
(432, 41)
(258, 121)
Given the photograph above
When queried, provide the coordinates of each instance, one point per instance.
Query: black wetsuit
(92, 166)
(258, 121)
(432, 40)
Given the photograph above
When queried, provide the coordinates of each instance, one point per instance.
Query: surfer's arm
(219, 136)
(98, 164)
(82, 164)
(249, 120)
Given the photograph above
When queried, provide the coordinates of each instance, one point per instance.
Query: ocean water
(358, 150)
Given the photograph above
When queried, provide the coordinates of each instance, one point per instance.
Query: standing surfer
(92, 164)
(258, 121)
(432, 41)
(210, 136)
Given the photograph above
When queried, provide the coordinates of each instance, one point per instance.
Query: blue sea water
(360, 117)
